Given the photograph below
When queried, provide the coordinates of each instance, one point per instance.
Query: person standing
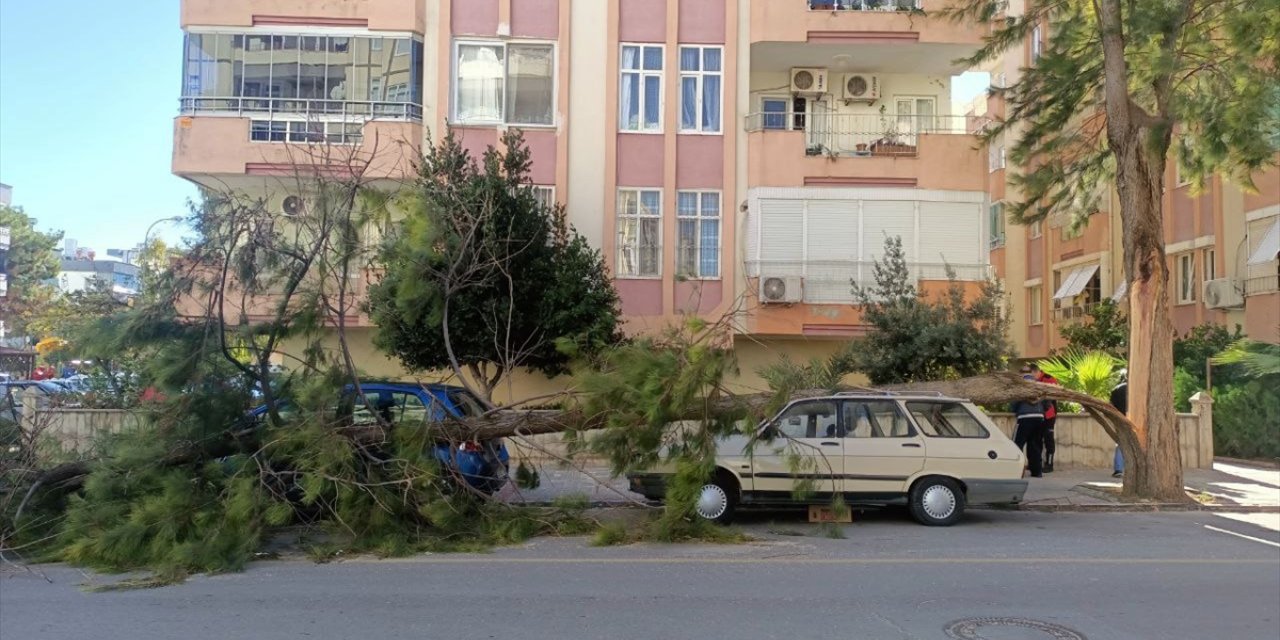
(1050, 420)
(1029, 432)
(1120, 400)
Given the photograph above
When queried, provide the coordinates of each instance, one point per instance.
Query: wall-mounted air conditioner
(1222, 294)
(860, 87)
(781, 289)
(809, 82)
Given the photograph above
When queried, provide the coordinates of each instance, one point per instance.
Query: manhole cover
(969, 628)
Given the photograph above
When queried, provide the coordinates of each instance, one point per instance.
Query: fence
(858, 134)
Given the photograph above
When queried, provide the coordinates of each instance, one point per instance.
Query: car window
(875, 419)
(466, 403)
(393, 407)
(814, 419)
(946, 420)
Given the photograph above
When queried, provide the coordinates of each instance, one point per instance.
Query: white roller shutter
(832, 232)
(782, 237)
(888, 218)
(950, 232)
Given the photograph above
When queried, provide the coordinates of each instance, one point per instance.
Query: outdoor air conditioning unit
(781, 289)
(292, 206)
(860, 87)
(809, 81)
(1222, 294)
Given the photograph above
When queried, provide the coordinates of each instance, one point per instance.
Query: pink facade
(698, 296)
(699, 162)
(474, 17)
(640, 297)
(1184, 318)
(642, 20)
(702, 21)
(476, 140)
(1182, 216)
(535, 19)
(1035, 260)
(542, 147)
(640, 160)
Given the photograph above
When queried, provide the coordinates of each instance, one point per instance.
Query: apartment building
(744, 156)
(1221, 244)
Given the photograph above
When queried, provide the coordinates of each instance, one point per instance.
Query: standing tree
(1117, 83)
(31, 260)
(916, 337)
(1106, 329)
(483, 279)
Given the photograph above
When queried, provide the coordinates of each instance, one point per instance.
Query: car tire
(718, 499)
(936, 501)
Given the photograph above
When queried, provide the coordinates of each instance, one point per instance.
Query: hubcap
(938, 502)
(712, 502)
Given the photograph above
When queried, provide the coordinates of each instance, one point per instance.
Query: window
(375, 89)
(1186, 278)
(500, 83)
(1001, 160)
(545, 195)
(1035, 305)
(1037, 45)
(813, 419)
(1179, 178)
(774, 113)
(698, 238)
(1209, 264)
(946, 420)
(640, 88)
(306, 131)
(997, 224)
(991, 159)
(1037, 229)
(700, 75)
(875, 419)
(393, 408)
(639, 233)
(915, 115)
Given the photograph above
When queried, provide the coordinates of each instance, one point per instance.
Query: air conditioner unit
(781, 289)
(859, 87)
(292, 206)
(1222, 294)
(809, 81)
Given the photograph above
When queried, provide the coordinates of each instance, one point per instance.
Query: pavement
(1228, 486)
(997, 574)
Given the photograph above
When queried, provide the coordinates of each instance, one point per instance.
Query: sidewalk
(1229, 486)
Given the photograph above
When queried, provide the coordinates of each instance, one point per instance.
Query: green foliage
(1194, 350)
(1257, 359)
(1185, 385)
(1093, 372)
(1246, 421)
(31, 261)
(916, 338)
(480, 275)
(1105, 328)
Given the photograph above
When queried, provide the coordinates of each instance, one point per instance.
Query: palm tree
(1093, 372)
(1258, 359)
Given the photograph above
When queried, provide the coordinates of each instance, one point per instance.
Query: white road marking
(1241, 535)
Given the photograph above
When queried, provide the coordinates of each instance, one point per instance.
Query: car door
(805, 444)
(881, 448)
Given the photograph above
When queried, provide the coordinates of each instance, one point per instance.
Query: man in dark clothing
(1120, 400)
(1050, 419)
(1029, 432)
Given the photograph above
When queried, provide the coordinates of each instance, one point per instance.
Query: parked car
(47, 390)
(483, 465)
(933, 454)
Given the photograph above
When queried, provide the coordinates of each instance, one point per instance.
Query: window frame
(995, 214)
(549, 199)
(1037, 43)
(1036, 229)
(1185, 264)
(505, 45)
(847, 429)
(986, 433)
(286, 126)
(700, 218)
(1035, 305)
(1208, 262)
(699, 77)
(774, 430)
(619, 215)
(641, 74)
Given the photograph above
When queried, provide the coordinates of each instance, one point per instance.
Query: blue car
(483, 465)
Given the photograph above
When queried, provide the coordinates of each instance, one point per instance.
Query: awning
(1120, 291)
(1075, 282)
(1266, 252)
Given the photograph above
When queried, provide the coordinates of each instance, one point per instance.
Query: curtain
(652, 100)
(711, 103)
(629, 100)
(480, 83)
(689, 103)
(530, 84)
(650, 247)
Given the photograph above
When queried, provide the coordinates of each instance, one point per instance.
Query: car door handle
(829, 443)
(913, 445)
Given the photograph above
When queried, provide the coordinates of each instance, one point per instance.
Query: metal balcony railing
(858, 135)
(1261, 284)
(308, 108)
(830, 281)
(866, 5)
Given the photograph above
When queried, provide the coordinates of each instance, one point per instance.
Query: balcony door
(915, 115)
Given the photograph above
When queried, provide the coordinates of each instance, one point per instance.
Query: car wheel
(937, 502)
(717, 500)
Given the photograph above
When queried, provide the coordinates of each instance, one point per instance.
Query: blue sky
(88, 92)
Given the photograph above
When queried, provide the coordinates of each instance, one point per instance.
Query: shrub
(1246, 421)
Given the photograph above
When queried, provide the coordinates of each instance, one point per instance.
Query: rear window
(946, 420)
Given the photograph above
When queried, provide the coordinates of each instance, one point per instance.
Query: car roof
(888, 395)
(407, 386)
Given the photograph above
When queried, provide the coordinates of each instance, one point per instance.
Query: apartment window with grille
(639, 233)
(700, 89)
(640, 88)
(997, 225)
(1209, 262)
(501, 83)
(1186, 278)
(1035, 306)
(698, 237)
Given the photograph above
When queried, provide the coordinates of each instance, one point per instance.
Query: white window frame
(1035, 305)
(1002, 160)
(1037, 229)
(1179, 180)
(545, 194)
(995, 213)
(619, 216)
(1208, 260)
(1185, 263)
(504, 44)
(702, 218)
(642, 74)
(1037, 45)
(699, 76)
(325, 125)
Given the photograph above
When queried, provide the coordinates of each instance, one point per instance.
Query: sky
(88, 93)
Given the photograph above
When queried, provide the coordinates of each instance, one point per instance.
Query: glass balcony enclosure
(332, 77)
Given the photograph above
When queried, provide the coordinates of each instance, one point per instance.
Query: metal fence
(308, 108)
(1261, 284)
(831, 281)
(855, 134)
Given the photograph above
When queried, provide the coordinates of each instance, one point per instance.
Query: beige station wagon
(930, 453)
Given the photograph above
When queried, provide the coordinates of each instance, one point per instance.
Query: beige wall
(1083, 444)
(386, 15)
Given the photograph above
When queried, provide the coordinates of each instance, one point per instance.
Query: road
(1100, 576)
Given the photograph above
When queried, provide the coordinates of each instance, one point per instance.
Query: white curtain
(480, 83)
(629, 100)
(711, 103)
(530, 84)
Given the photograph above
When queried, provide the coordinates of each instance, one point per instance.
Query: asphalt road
(1101, 576)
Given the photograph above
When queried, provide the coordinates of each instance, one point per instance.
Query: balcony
(881, 32)
(787, 149)
(379, 15)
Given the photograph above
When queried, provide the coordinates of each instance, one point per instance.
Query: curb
(1131, 507)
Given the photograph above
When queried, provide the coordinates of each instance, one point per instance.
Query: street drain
(968, 628)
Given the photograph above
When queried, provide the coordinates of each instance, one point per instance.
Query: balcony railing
(1261, 284)
(866, 5)
(858, 135)
(333, 109)
(831, 281)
